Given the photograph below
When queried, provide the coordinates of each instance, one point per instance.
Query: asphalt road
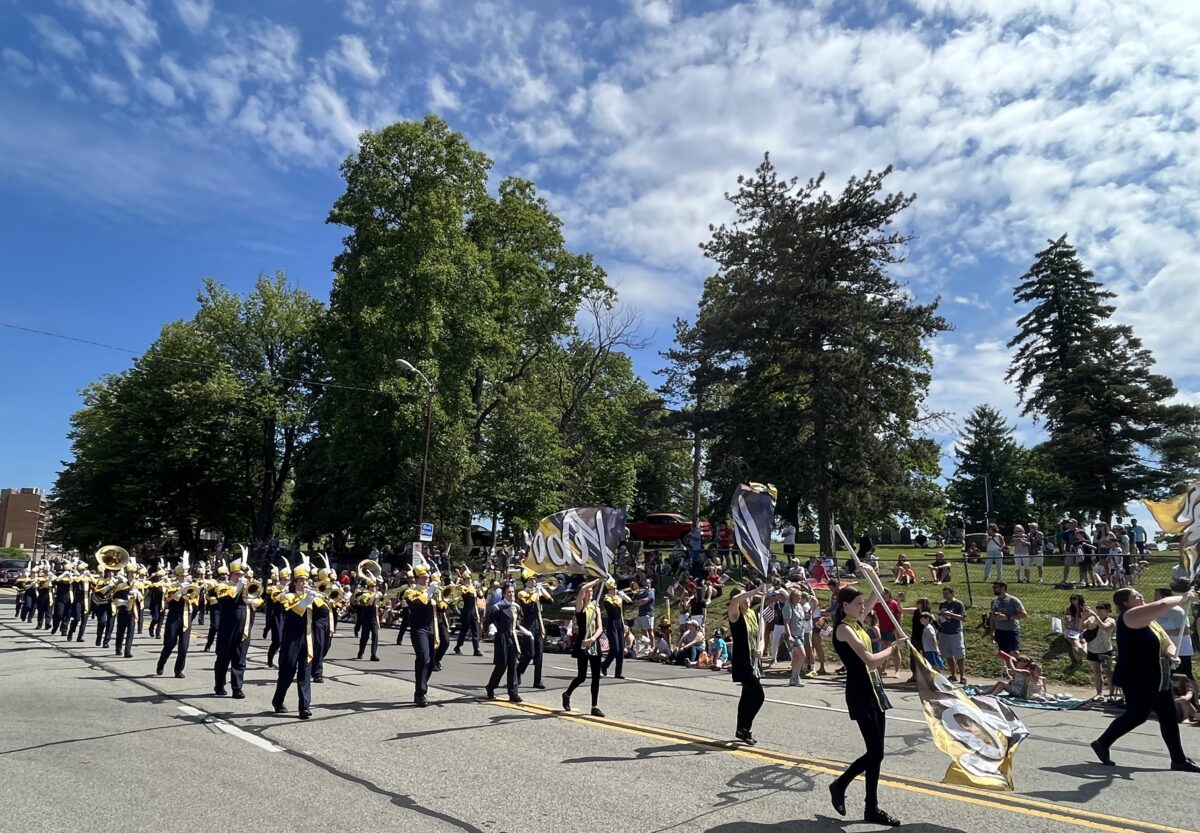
(96, 742)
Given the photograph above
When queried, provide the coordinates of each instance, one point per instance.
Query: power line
(192, 362)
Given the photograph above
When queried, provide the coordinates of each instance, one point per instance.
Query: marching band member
(275, 618)
(505, 615)
(403, 608)
(154, 599)
(614, 627)
(297, 642)
(104, 607)
(586, 648)
(213, 592)
(866, 700)
(64, 597)
(745, 631)
(532, 646)
(468, 615)
(178, 623)
(233, 639)
(324, 622)
(126, 596)
(199, 576)
(443, 624)
(81, 601)
(27, 594)
(422, 620)
(143, 586)
(45, 585)
(366, 602)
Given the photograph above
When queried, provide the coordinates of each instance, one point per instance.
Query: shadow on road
(1096, 777)
(644, 753)
(821, 824)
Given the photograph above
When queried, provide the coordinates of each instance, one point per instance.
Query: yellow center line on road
(1005, 801)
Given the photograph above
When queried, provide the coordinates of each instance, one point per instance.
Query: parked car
(663, 527)
(10, 570)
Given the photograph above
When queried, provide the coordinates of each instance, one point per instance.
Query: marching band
(301, 607)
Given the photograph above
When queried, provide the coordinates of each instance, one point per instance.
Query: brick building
(23, 518)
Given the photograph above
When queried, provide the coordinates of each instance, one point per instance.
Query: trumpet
(336, 594)
(550, 584)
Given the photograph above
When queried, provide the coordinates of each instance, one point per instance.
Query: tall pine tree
(1091, 383)
(989, 462)
(825, 351)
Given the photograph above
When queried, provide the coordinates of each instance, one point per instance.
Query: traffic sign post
(426, 532)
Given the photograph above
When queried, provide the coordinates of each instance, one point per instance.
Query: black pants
(532, 648)
(872, 726)
(62, 611)
(468, 625)
(1185, 667)
(231, 661)
(444, 643)
(584, 663)
(294, 667)
(505, 663)
(44, 614)
(749, 703)
(214, 627)
(368, 632)
(78, 619)
(403, 626)
(156, 617)
(26, 604)
(275, 625)
(105, 619)
(1138, 705)
(615, 631)
(422, 641)
(125, 627)
(175, 639)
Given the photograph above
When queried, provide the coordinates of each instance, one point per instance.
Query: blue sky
(146, 144)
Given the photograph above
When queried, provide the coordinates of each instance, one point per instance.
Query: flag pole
(873, 580)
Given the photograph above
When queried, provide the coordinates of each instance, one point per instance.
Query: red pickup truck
(665, 526)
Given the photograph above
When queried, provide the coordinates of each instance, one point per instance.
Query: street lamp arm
(409, 367)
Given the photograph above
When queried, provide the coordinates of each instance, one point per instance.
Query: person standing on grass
(1099, 628)
(995, 553)
(1037, 551)
(951, 615)
(1004, 620)
(1020, 542)
(1174, 622)
(1145, 659)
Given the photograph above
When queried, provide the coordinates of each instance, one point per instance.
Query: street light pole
(37, 529)
(408, 367)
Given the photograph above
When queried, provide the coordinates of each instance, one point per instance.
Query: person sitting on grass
(903, 571)
(719, 650)
(1027, 682)
(939, 570)
(691, 643)
(1184, 691)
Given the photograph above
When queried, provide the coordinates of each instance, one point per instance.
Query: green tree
(469, 287)
(989, 462)
(1091, 383)
(201, 431)
(826, 351)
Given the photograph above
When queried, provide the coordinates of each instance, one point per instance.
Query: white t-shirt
(929, 638)
(994, 545)
(1171, 622)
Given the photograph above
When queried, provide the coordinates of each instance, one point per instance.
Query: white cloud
(195, 14)
(329, 112)
(353, 56)
(109, 88)
(56, 38)
(129, 18)
(17, 60)
(159, 90)
(652, 12)
(441, 98)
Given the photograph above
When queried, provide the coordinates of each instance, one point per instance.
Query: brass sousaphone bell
(112, 557)
(369, 569)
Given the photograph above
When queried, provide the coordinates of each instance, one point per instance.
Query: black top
(1139, 657)
(744, 662)
(582, 631)
(862, 699)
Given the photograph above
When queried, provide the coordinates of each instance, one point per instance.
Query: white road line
(230, 729)
(665, 684)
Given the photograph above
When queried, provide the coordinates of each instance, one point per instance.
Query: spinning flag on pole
(980, 734)
(753, 513)
(581, 541)
(1181, 516)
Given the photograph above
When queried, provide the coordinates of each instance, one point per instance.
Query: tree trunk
(697, 447)
(824, 487)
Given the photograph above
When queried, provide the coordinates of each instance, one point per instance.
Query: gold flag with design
(580, 541)
(980, 734)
